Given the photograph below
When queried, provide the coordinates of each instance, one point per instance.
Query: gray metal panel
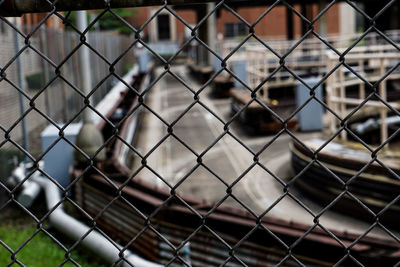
(310, 116)
(61, 156)
(240, 70)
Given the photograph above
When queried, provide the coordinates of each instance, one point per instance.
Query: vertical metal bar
(22, 88)
(212, 32)
(71, 106)
(64, 97)
(342, 93)
(265, 86)
(44, 46)
(361, 88)
(383, 94)
(330, 92)
(323, 21)
(84, 61)
(73, 67)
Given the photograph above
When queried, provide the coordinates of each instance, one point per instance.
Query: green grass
(41, 250)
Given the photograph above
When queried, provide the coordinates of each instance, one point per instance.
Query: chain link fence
(58, 101)
(168, 174)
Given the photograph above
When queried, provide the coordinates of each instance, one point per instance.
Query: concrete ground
(226, 160)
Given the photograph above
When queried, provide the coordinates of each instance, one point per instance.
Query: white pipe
(30, 190)
(28, 194)
(74, 229)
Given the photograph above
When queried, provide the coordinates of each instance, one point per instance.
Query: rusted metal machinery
(156, 222)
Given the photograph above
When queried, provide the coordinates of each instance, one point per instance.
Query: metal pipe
(28, 194)
(29, 189)
(74, 229)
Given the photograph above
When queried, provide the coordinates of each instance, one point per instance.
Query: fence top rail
(12, 8)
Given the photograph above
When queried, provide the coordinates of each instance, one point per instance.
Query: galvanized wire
(167, 63)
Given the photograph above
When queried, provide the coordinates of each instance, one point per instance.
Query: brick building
(279, 23)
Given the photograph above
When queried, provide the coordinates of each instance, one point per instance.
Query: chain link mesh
(163, 207)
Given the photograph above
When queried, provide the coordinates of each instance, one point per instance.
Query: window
(235, 29)
(163, 27)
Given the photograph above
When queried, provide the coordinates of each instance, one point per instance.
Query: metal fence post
(22, 88)
(44, 46)
(89, 138)
(84, 61)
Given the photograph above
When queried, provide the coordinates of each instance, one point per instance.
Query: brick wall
(273, 25)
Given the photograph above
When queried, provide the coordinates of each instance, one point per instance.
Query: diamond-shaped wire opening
(172, 160)
(250, 189)
(255, 165)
